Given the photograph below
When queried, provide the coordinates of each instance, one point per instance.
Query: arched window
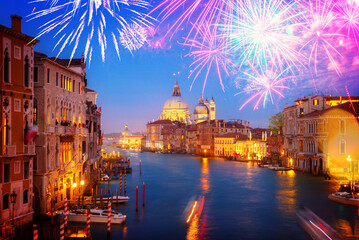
(6, 67)
(5, 202)
(26, 72)
(25, 198)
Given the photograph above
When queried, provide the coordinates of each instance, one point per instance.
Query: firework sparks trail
(319, 33)
(198, 12)
(263, 30)
(85, 17)
(133, 37)
(208, 50)
(347, 18)
(263, 84)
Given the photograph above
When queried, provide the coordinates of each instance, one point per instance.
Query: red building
(275, 148)
(17, 131)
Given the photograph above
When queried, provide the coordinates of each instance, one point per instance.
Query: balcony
(9, 151)
(50, 129)
(59, 130)
(29, 149)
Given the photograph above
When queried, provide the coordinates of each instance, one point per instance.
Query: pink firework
(264, 84)
(208, 50)
(198, 12)
(347, 18)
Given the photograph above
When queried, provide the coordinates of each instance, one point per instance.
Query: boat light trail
(194, 206)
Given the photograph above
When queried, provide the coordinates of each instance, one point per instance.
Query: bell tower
(212, 109)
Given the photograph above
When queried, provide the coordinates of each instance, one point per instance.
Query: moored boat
(344, 198)
(115, 199)
(97, 216)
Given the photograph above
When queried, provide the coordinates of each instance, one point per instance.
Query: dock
(316, 227)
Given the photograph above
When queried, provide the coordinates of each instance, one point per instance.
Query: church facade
(176, 109)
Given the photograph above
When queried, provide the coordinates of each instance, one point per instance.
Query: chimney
(245, 124)
(286, 105)
(248, 123)
(16, 23)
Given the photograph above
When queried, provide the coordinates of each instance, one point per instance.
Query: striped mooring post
(120, 183)
(66, 212)
(62, 231)
(109, 218)
(36, 233)
(125, 183)
(88, 222)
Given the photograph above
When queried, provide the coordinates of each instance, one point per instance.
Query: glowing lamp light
(349, 158)
(74, 184)
(205, 150)
(82, 182)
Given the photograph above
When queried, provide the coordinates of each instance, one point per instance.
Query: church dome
(200, 109)
(175, 103)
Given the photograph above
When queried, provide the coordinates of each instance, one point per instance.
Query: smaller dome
(200, 109)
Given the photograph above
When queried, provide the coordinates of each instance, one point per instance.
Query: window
(26, 72)
(57, 79)
(6, 131)
(6, 172)
(301, 111)
(342, 126)
(25, 198)
(36, 74)
(48, 75)
(6, 67)
(73, 86)
(61, 84)
(79, 88)
(34, 111)
(342, 147)
(5, 200)
(26, 170)
(35, 162)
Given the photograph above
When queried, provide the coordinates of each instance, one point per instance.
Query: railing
(9, 151)
(29, 149)
(50, 129)
(59, 130)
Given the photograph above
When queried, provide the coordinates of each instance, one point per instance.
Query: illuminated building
(18, 148)
(320, 132)
(128, 140)
(275, 148)
(176, 108)
(204, 111)
(62, 132)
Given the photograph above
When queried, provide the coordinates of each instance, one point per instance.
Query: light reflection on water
(242, 201)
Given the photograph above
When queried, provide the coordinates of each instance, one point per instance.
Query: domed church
(176, 109)
(204, 111)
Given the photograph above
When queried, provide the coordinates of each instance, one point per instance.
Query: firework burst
(319, 34)
(208, 51)
(264, 84)
(133, 37)
(73, 21)
(263, 30)
(347, 18)
(198, 12)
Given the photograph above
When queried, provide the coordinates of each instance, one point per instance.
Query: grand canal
(241, 201)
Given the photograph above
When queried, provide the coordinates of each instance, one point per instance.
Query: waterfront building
(321, 134)
(131, 141)
(91, 147)
(224, 145)
(253, 146)
(60, 104)
(17, 130)
(191, 138)
(275, 149)
(157, 135)
(206, 131)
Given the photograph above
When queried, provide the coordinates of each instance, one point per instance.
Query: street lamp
(13, 196)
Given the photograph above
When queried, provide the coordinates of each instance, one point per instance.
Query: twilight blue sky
(134, 89)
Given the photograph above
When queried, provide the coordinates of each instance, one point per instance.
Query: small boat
(122, 169)
(97, 216)
(344, 198)
(115, 199)
(104, 177)
(282, 169)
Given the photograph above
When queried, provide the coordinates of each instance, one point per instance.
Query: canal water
(241, 201)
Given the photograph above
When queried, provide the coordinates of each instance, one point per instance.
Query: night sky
(132, 91)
